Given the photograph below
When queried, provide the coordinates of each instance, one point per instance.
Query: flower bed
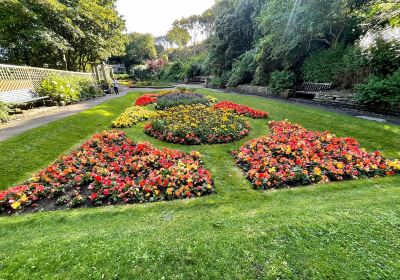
(109, 169)
(241, 110)
(169, 98)
(132, 116)
(292, 155)
(173, 99)
(197, 124)
(146, 99)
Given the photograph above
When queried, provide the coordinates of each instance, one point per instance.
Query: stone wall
(335, 98)
(257, 90)
(347, 99)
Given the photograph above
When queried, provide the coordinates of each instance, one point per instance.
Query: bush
(378, 90)
(281, 81)
(321, 67)
(341, 66)
(4, 112)
(220, 82)
(243, 69)
(123, 76)
(384, 57)
(66, 90)
(174, 71)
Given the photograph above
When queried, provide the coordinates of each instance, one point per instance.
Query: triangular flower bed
(110, 169)
(292, 155)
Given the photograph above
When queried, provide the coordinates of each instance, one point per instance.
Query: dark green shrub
(243, 69)
(380, 90)
(353, 70)
(384, 57)
(88, 89)
(281, 81)
(220, 82)
(175, 71)
(4, 112)
(322, 67)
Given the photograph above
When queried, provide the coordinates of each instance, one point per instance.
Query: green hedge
(67, 90)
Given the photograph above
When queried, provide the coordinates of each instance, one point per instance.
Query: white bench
(21, 96)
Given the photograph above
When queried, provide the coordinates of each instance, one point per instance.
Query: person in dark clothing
(115, 86)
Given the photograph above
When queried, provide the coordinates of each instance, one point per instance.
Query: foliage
(281, 81)
(109, 169)
(153, 84)
(177, 98)
(139, 49)
(4, 112)
(292, 155)
(342, 66)
(384, 56)
(122, 76)
(178, 35)
(241, 110)
(132, 116)
(60, 34)
(174, 71)
(68, 89)
(220, 82)
(197, 124)
(380, 90)
(243, 69)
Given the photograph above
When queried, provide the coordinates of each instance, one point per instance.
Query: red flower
(93, 196)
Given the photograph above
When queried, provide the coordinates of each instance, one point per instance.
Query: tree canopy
(64, 34)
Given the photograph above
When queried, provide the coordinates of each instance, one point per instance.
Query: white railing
(14, 77)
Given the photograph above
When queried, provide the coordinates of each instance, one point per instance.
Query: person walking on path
(115, 85)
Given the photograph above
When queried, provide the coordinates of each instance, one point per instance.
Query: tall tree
(61, 33)
(140, 48)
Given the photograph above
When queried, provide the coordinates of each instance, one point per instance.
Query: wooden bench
(313, 88)
(22, 96)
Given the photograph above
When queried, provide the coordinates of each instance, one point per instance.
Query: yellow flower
(317, 171)
(339, 165)
(15, 205)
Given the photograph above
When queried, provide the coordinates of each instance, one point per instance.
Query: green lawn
(339, 230)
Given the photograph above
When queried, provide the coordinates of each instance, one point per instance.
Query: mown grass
(339, 230)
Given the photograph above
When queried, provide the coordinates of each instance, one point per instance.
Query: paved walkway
(19, 126)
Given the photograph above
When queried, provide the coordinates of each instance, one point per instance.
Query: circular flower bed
(197, 124)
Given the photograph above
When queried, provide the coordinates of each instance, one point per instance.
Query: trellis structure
(23, 77)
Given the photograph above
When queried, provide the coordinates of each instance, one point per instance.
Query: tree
(178, 35)
(139, 49)
(64, 34)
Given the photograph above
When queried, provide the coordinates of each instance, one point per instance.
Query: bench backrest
(18, 96)
(317, 87)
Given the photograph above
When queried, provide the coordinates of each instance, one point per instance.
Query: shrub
(4, 112)
(341, 66)
(281, 81)
(321, 67)
(69, 89)
(197, 124)
(378, 90)
(384, 57)
(292, 155)
(243, 69)
(123, 76)
(110, 169)
(220, 82)
(132, 116)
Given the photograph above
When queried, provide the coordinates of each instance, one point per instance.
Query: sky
(157, 16)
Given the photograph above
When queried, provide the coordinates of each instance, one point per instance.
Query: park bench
(21, 96)
(313, 88)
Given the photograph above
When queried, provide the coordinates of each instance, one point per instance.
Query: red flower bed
(241, 110)
(292, 155)
(146, 99)
(109, 169)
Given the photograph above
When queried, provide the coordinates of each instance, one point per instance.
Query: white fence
(14, 77)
